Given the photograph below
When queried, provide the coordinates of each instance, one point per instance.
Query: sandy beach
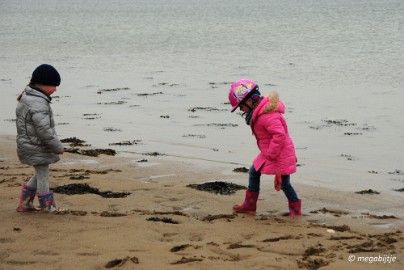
(160, 223)
(150, 79)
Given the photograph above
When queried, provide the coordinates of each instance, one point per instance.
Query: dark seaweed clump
(149, 94)
(72, 189)
(91, 152)
(369, 191)
(119, 262)
(164, 220)
(112, 90)
(241, 169)
(127, 143)
(73, 141)
(155, 154)
(397, 172)
(120, 102)
(218, 187)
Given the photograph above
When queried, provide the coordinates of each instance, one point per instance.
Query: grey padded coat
(37, 142)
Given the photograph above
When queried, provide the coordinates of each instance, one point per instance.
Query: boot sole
(22, 209)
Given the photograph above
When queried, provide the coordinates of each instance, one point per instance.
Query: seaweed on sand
(218, 187)
(72, 189)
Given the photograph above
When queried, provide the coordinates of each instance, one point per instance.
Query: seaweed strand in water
(91, 152)
(369, 191)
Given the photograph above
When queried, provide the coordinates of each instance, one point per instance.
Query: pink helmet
(239, 91)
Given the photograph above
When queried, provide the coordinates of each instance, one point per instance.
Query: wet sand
(156, 221)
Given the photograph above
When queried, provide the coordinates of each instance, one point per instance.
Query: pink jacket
(271, 132)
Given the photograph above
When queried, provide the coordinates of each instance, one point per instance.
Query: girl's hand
(278, 182)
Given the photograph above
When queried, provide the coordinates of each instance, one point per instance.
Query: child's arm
(45, 132)
(273, 125)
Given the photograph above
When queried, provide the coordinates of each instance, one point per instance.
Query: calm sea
(158, 72)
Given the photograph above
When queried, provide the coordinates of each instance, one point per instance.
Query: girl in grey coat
(37, 143)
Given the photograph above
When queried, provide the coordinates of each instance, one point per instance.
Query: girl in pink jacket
(277, 157)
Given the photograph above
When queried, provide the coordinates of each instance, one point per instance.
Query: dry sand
(163, 224)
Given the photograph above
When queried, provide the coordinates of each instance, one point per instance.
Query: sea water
(158, 72)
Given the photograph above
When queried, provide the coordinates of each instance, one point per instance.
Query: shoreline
(204, 170)
(163, 224)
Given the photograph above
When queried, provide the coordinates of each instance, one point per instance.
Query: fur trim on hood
(273, 103)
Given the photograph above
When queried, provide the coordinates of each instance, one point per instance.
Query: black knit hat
(46, 75)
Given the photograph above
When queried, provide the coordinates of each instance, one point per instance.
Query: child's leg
(295, 204)
(27, 197)
(42, 178)
(251, 196)
(254, 179)
(288, 189)
(33, 181)
(46, 200)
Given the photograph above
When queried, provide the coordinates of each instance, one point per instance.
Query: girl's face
(48, 89)
(246, 106)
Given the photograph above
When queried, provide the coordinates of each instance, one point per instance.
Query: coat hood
(33, 91)
(269, 104)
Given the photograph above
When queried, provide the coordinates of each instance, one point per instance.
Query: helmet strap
(248, 117)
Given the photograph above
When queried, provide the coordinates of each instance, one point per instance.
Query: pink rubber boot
(295, 208)
(27, 197)
(47, 202)
(250, 203)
